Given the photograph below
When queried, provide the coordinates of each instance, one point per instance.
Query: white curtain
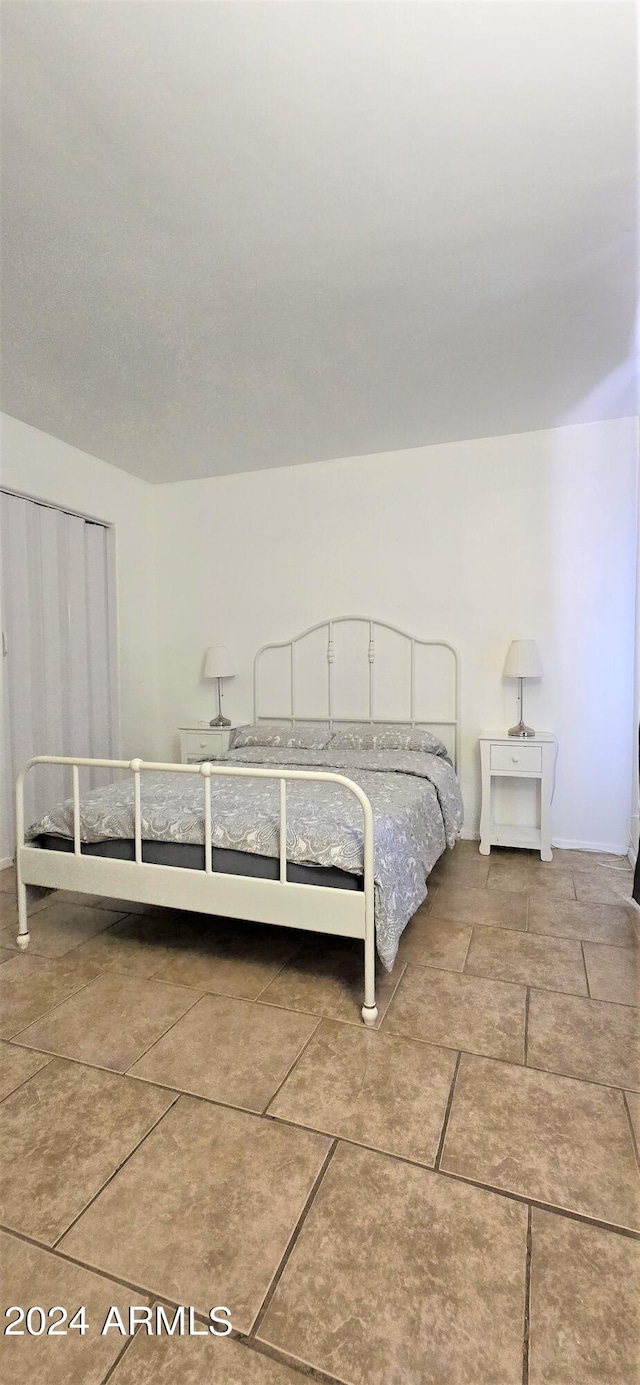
(56, 620)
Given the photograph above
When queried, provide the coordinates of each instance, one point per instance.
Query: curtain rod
(48, 505)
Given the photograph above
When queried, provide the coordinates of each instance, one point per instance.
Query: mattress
(190, 856)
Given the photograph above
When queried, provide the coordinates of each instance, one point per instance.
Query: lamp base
(521, 730)
(224, 721)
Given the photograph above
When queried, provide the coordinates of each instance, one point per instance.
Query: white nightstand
(199, 743)
(510, 757)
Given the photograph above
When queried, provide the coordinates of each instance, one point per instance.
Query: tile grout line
(322, 1015)
(276, 974)
(279, 1271)
(380, 1021)
(155, 1295)
(634, 1142)
(535, 933)
(114, 1364)
(447, 1112)
(216, 1101)
(113, 1175)
(546, 990)
(464, 971)
(532, 887)
(49, 1059)
(82, 1062)
(468, 949)
(74, 946)
(527, 1300)
(586, 974)
(164, 1033)
(91, 1269)
(13, 1038)
(85, 1062)
(293, 1065)
(300, 1367)
(594, 942)
(583, 1217)
(314, 1014)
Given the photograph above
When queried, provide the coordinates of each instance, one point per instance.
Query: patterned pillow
(381, 736)
(308, 737)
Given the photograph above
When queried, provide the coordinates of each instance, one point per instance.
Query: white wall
(531, 535)
(475, 542)
(38, 465)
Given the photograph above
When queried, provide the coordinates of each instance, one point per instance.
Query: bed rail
(221, 886)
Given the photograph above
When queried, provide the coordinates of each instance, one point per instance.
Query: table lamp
(523, 661)
(219, 664)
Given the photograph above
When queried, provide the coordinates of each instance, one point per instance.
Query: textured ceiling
(239, 236)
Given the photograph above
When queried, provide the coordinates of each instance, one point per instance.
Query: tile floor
(191, 1113)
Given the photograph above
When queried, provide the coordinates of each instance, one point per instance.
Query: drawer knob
(515, 759)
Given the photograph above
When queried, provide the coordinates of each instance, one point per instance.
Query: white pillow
(385, 736)
(308, 737)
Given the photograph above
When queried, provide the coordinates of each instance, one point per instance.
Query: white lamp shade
(523, 660)
(218, 662)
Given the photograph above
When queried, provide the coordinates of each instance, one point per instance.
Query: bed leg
(370, 1009)
(23, 922)
(23, 937)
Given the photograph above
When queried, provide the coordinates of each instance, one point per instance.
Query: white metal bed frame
(372, 625)
(316, 908)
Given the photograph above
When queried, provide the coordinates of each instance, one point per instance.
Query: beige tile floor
(191, 1113)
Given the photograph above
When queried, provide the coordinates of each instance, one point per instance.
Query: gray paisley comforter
(415, 797)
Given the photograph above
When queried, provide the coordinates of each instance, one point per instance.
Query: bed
(316, 820)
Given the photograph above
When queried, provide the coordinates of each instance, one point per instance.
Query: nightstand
(504, 757)
(199, 743)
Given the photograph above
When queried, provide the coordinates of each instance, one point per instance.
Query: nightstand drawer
(199, 745)
(516, 758)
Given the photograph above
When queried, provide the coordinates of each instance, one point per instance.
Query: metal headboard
(290, 714)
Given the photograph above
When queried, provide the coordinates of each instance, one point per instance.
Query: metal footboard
(281, 902)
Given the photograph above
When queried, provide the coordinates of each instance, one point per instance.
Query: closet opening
(59, 664)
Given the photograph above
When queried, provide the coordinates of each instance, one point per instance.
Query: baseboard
(612, 848)
(5, 862)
